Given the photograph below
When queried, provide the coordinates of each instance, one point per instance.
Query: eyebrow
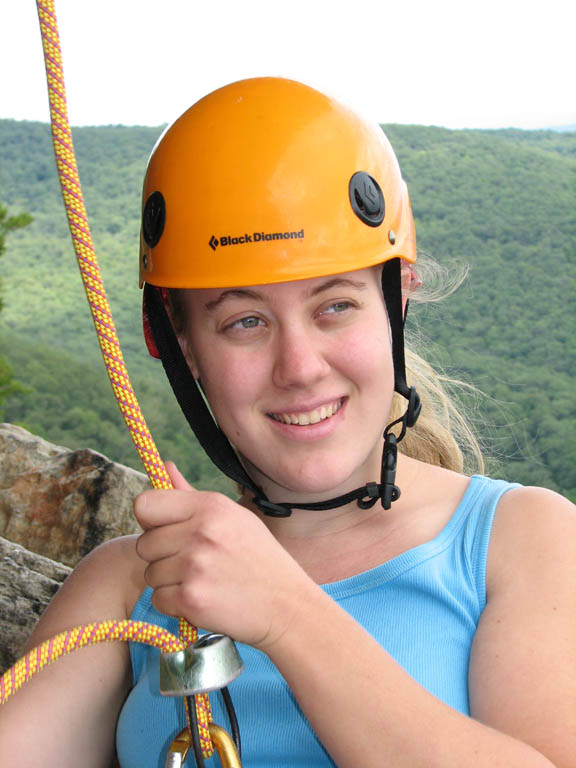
(336, 282)
(233, 293)
(249, 293)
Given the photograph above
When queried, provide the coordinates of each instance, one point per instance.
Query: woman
(390, 610)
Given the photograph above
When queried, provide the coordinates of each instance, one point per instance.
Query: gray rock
(27, 584)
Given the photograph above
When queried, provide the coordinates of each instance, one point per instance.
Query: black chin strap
(366, 496)
(216, 444)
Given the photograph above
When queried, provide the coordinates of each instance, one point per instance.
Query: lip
(310, 431)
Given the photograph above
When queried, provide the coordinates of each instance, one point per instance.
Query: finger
(154, 508)
(158, 543)
(169, 600)
(178, 479)
(164, 573)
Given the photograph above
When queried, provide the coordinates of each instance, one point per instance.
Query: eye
(245, 323)
(337, 306)
(248, 322)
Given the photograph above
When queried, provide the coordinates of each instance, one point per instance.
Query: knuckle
(197, 563)
(149, 575)
(193, 597)
(209, 533)
(141, 546)
(213, 501)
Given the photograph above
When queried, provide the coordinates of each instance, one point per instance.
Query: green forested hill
(502, 202)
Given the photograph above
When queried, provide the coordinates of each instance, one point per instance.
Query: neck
(306, 524)
(335, 544)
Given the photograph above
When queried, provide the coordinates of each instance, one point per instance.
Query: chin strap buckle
(371, 495)
(389, 490)
(271, 509)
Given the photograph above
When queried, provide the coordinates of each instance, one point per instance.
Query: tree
(8, 385)
(9, 224)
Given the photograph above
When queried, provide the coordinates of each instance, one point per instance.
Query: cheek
(231, 384)
(368, 356)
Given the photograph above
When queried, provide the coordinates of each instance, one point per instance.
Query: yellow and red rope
(105, 631)
(85, 254)
(82, 637)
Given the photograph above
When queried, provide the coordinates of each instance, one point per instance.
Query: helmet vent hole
(366, 198)
(153, 219)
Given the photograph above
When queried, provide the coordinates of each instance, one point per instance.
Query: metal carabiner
(223, 745)
(179, 749)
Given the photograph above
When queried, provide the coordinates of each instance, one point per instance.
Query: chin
(310, 483)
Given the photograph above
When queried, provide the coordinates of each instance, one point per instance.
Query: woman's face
(299, 377)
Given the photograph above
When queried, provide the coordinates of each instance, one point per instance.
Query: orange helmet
(268, 180)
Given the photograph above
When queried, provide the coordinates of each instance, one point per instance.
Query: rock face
(55, 506)
(61, 503)
(27, 584)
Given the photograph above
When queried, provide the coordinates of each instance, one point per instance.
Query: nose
(300, 359)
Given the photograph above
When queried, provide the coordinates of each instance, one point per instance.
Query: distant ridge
(563, 128)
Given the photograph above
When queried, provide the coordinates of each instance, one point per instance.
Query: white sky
(457, 63)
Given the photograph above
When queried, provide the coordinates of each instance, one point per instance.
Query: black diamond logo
(213, 243)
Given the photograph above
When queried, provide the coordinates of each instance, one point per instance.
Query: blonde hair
(443, 434)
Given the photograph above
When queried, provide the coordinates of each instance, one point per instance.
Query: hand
(216, 564)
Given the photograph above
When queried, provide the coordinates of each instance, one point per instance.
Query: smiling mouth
(304, 418)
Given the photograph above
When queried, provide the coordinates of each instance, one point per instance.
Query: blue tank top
(423, 607)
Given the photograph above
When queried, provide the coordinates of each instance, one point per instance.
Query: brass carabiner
(179, 749)
(221, 739)
(225, 746)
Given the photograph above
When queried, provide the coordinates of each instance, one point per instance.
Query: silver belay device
(209, 664)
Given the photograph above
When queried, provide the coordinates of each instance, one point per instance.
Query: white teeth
(314, 417)
(311, 417)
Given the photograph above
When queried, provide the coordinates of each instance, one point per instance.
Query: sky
(454, 63)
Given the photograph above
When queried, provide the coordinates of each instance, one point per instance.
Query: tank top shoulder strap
(478, 508)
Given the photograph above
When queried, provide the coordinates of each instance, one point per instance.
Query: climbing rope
(105, 632)
(85, 254)
(90, 634)
(82, 637)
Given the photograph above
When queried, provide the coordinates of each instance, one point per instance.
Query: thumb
(178, 480)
